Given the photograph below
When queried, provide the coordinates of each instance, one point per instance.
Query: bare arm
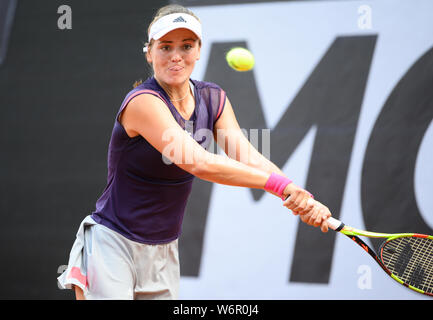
(231, 139)
(235, 144)
(149, 117)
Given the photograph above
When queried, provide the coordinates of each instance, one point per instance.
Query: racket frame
(353, 233)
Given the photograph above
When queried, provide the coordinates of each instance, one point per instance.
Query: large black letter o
(387, 191)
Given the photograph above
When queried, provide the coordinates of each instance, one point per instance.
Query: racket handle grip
(335, 224)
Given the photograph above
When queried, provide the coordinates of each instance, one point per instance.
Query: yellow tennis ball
(240, 59)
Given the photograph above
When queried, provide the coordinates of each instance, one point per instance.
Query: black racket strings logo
(411, 260)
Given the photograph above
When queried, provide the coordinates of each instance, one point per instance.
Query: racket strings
(411, 260)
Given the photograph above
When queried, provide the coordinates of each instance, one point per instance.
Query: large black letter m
(330, 100)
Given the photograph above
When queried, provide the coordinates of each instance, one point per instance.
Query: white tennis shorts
(106, 265)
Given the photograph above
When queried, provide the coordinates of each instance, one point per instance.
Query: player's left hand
(317, 216)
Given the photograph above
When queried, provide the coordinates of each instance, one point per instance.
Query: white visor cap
(173, 21)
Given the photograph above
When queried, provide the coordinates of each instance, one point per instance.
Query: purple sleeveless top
(145, 198)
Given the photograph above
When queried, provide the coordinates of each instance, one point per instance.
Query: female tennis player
(127, 248)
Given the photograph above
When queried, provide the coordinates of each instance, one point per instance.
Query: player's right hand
(317, 216)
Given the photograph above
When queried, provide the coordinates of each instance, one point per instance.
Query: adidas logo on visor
(179, 19)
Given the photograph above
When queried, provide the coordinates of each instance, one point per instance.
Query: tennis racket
(406, 257)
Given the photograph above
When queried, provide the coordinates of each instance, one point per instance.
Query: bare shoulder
(144, 103)
(140, 110)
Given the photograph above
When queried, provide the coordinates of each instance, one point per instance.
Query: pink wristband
(277, 184)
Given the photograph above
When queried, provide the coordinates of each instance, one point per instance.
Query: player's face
(173, 56)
